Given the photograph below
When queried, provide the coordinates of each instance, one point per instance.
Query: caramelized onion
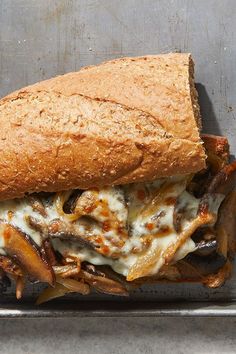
(20, 284)
(52, 293)
(74, 285)
(63, 287)
(148, 261)
(60, 200)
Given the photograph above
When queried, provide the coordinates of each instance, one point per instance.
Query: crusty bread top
(126, 120)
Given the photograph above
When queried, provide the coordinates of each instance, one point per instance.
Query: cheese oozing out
(122, 224)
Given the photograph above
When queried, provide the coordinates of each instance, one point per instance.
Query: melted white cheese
(158, 222)
(137, 231)
(115, 200)
(67, 248)
(20, 210)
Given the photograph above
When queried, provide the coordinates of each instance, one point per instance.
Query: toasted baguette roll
(127, 120)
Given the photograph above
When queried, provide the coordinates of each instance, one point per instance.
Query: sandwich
(106, 182)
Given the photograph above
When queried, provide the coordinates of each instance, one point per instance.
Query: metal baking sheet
(44, 38)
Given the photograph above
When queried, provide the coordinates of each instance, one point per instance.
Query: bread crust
(126, 120)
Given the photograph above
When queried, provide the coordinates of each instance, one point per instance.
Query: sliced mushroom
(103, 284)
(188, 272)
(206, 265)
(36, 224)
(208, 206)
(215, 263)
(48, 252)
(218, 279)
(74, 285)
(86, 202)
(226, 226)
(177, 218)
(216, 147)
(109, 273)
(224, 181)
(167, 272)
(20, 248)
(64, 230)
(87, 234)
(92, 269)
(69, 204)
(60, 200)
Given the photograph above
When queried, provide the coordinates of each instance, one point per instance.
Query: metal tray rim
(114, 309)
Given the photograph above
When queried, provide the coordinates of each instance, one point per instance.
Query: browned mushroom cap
(217, 149)
(211, 256)
(19, 247)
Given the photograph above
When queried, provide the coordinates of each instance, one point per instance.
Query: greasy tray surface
(66, 35)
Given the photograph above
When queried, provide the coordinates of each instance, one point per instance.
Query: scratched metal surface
(43, 38)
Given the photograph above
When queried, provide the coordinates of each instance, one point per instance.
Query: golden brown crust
(126, 120)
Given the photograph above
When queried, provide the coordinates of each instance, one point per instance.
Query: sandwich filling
(136, 229)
